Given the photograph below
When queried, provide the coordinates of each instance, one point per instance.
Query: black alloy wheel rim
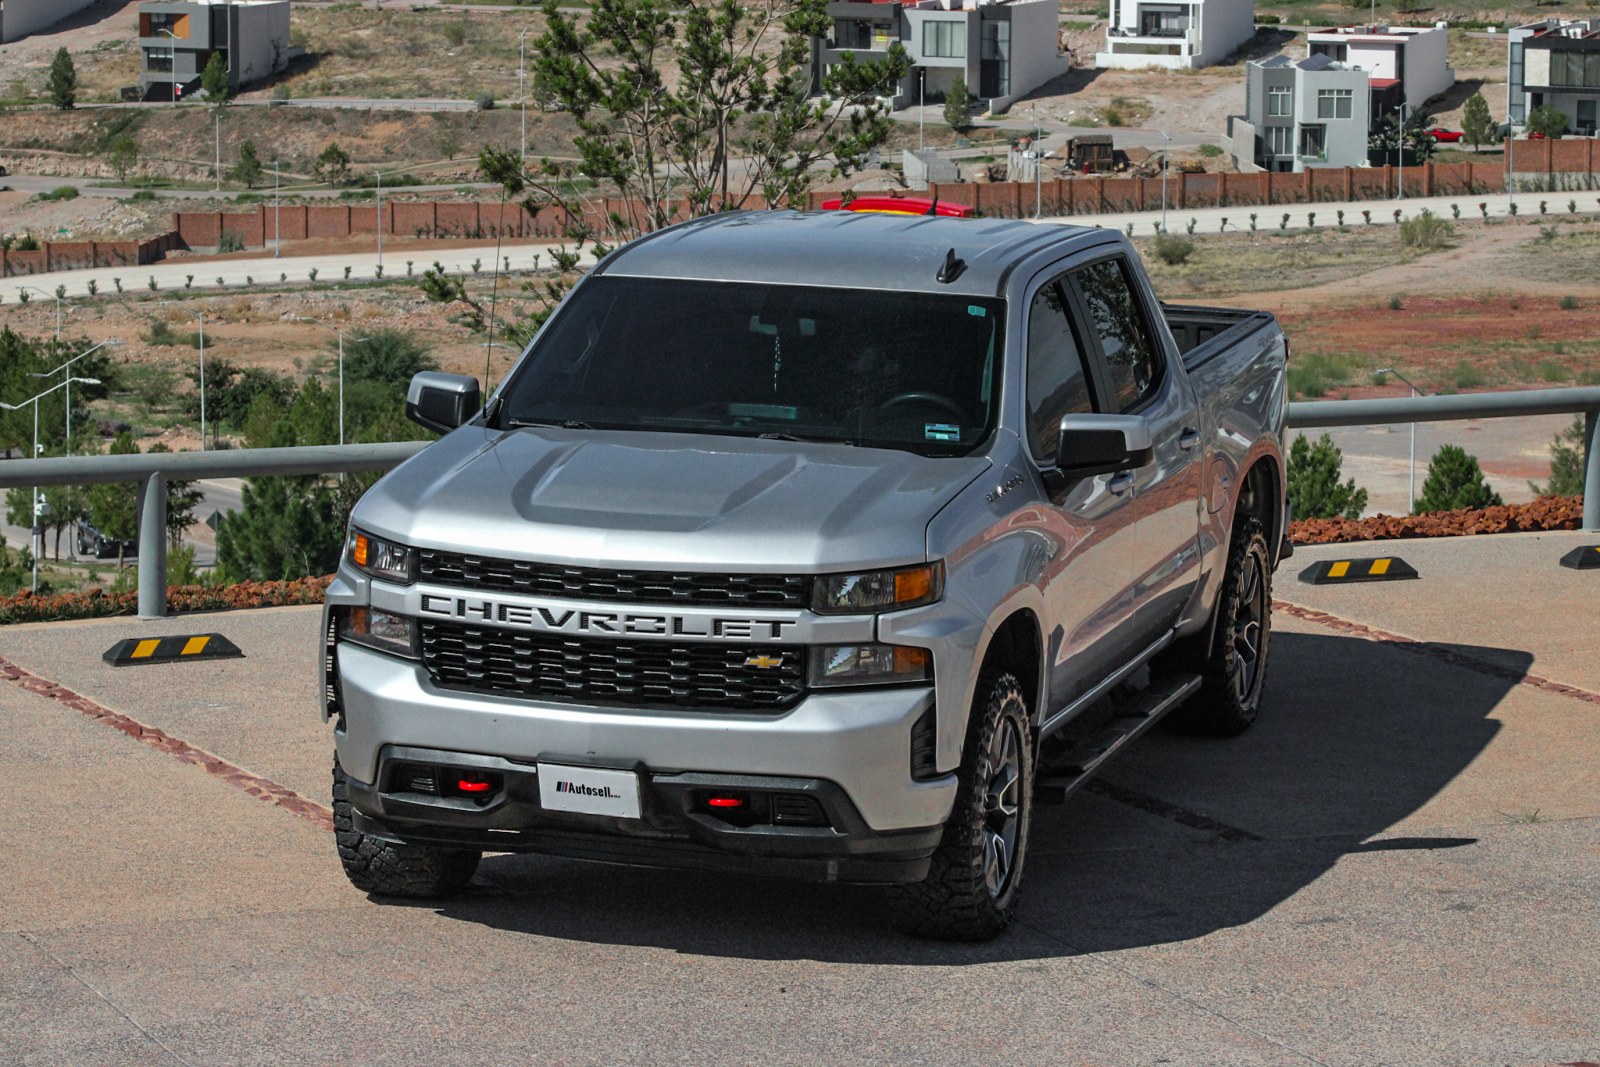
(1002, 809)
(1249, 629)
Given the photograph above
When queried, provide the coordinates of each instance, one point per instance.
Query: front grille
(588, 583)
(584, 670)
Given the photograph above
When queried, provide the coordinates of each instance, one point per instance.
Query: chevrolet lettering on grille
(579, 621)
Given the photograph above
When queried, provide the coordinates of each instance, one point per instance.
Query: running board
(1078, 764)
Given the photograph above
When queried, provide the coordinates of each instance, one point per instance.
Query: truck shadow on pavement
(1186, 836)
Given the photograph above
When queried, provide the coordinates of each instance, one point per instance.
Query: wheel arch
(1017, 646)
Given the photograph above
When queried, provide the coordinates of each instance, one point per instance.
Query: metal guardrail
(153, 470)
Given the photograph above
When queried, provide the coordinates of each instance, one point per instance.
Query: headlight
(854, 594)
(833, 665)
(381, 559)
(380, 630)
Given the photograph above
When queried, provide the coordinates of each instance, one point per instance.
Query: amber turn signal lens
(910, 660)
(913, 585)
(359, 553)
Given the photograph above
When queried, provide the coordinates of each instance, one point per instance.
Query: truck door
(1088, 599)
(1142, 377)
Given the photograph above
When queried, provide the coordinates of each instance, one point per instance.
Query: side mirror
(1102, 444)
(441, 402)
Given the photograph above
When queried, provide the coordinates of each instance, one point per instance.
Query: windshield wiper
(780, 436)
(565, 424)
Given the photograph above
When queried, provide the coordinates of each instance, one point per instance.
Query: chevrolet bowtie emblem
(763, 662)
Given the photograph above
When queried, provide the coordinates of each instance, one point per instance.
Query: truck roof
(841, 248)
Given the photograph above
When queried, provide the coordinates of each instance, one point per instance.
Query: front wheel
(374, 866)
(1235, 673)
(971, 891)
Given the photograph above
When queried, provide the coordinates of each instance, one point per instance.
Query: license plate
(589, 790)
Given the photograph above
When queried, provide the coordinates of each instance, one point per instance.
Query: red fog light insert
(475, 784)
(726, 803)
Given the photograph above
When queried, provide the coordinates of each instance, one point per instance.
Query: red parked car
(1451, 136)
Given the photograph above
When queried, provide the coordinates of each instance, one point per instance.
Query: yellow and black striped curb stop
(1586, 558)
(1342, 571)
(137, 650)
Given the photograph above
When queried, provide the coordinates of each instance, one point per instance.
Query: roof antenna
(953, 268)
(933, 207)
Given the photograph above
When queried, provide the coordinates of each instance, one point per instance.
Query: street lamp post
(522, 92)
(340, 332)
(36, 531)
(202, 315)
(217, 171)
(277, 212)
(1400, 153)
(1414, 392)
(68, 383)
(173, 70)
(54, 296)
(922, 116)
(1166, 152)
(379, 200)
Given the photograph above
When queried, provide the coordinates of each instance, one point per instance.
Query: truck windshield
(912, 371)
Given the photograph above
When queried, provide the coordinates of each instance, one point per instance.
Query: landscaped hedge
(97, 603)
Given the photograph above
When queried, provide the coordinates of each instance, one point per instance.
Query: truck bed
(1203, 332)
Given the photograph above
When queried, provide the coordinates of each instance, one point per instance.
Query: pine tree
(123, 155)
(114, 507)
(1314, 487)
(1455, 481)
(214, 79)
(249, 169)
(1476, 125)
(1566, 463)
(63, 83)
(332, 166)
(958, 106)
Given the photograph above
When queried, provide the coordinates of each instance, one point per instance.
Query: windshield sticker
(941, 431)
(978, 310)
(763, 411)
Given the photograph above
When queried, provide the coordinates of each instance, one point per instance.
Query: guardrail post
(1591, 467)
(153, 546)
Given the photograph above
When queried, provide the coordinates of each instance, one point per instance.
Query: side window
(1133, 364)
(1057, 383)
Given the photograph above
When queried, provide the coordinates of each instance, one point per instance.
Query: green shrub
(1468, 376)
(1566, 463)
(1426, 232)
(60, 192)
(1569, 303)
(1455, 481)
(1172, 249)
(230, 242)
(1395, 303)
(1314, 486)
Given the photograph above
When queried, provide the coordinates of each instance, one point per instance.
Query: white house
(1412, 60)
(1177, 34)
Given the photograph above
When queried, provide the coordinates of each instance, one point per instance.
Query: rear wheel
(391, 870)
(1235, 673)
(971, 891)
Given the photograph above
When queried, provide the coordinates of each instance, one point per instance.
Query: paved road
(242, 273)
(1397, 865)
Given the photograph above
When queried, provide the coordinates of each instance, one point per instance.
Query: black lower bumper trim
(675, 829)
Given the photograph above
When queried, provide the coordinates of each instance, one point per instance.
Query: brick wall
(83, 255)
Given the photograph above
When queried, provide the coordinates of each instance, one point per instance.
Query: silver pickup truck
(801, 544)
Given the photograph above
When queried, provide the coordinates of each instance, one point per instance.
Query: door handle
(1189, 438)
(1121, 483)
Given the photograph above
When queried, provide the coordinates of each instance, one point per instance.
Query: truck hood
(665, 500)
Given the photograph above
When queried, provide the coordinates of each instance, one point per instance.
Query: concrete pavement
(1396, 865)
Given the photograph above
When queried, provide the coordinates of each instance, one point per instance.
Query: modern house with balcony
(18, 18)
(1178, 35)
(1001, 50)
(177, 40)
(1404, 64)
(1557, 62)
(1301, 115)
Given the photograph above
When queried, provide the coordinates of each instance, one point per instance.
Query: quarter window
(1117, 319)
(1057, 382)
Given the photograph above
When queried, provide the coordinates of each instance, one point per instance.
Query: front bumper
(859, 741)
(794, 827)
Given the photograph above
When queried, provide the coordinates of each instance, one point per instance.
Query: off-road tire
(956, 902)
(1235, 673)
(415, 871)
